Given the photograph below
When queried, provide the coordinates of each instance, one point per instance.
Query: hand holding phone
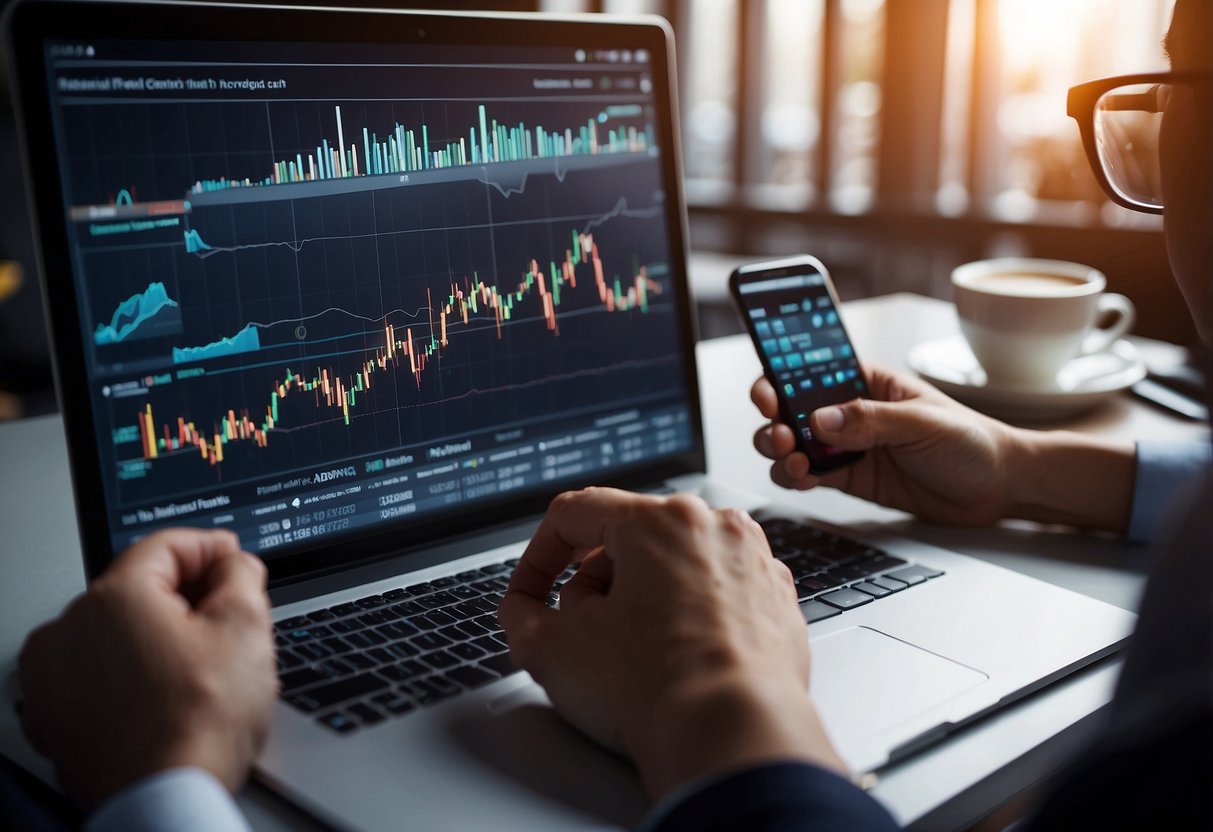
(790, 310)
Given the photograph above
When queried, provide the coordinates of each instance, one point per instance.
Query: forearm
(1066, 477)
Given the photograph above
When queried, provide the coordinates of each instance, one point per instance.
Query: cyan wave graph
(404, 149)
(145, 314)
(194, 242)
(246, 340)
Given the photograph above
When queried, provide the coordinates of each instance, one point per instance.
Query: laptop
(368, 289)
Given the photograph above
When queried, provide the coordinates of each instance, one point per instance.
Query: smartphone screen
(789, 311)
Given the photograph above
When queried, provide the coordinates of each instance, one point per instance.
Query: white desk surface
(946, 786)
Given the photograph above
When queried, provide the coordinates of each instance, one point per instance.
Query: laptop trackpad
(865, 682)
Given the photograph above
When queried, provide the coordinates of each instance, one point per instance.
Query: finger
(792, 471)
(775, 440)
(574, 521)
(762, 394)
(865, 423)
(890, 385)
(173, 558)
(38, 693)
(592, 579)
(783, 575)
(235, 591)
(526, 621)
(742, 527)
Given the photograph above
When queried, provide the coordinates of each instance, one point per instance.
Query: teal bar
(484, 137)
(425, 145)
(366, 153)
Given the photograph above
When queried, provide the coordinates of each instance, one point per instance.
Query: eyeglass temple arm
(1142, 101)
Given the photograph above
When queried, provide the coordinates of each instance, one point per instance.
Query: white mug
(1025, 318)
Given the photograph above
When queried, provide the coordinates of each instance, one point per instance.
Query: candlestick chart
(473, 302)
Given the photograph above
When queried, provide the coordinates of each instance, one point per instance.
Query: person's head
(1186, 159)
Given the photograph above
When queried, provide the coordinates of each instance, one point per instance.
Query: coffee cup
(1026, 318)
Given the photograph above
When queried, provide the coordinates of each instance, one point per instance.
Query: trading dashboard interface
(323, 289)
(804, 345)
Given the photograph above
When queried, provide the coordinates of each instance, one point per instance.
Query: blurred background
(894, 139)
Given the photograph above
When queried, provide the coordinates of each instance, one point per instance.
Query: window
(857, 107)
(1028, 52)
(786, 102)
(789, 126)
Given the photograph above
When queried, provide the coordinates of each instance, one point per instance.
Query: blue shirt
(1164, 471)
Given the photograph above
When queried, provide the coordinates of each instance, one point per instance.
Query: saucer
(1081, 384)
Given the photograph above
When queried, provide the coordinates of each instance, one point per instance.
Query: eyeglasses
(1120, 119)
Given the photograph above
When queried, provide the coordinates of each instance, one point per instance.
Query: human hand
(678, 641)
(926, 453)
(167, 660)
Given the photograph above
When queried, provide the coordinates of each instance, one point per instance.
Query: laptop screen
(324, 290)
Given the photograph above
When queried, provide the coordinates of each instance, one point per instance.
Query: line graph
(413, 346)
(195, 244)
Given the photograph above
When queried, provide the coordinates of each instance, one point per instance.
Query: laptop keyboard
(358, 663)
(361, 662)
(834, 574)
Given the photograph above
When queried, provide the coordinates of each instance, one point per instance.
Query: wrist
(705, 729)
(1066, 477)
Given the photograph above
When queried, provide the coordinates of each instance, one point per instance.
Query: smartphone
(790, 310)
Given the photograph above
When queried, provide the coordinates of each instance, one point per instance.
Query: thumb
(235, 591)
(526, 621)
(867, 423)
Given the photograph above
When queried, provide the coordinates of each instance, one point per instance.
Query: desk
(945, 787)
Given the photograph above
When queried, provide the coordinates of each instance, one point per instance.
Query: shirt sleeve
(179, 799)
(775, 797)
(1164, 470)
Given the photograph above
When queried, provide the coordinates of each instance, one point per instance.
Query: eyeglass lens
(1127, 122)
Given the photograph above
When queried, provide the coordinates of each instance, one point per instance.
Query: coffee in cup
(1025, 318)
